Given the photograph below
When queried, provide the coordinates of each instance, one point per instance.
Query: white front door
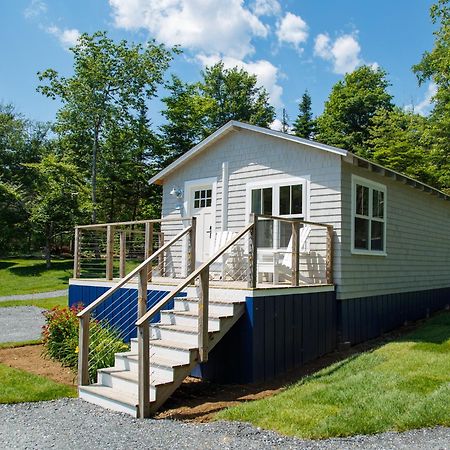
(202, 207)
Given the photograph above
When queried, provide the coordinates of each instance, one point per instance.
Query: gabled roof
(348, 157)
(234, 125)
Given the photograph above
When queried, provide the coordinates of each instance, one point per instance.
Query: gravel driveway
(20, 323)
(73, 424)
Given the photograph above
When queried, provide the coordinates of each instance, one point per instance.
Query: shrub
(60, 338)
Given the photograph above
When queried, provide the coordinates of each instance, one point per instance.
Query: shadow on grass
(37, 270)
(6, 265)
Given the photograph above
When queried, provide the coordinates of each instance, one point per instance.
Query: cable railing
(111, 250)
(108, 323)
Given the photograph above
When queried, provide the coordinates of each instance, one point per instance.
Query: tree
(59, 198)
(194, 111)
(435, 66)
(304, 125)
(350, 107)
(398, 140)
(110, 87)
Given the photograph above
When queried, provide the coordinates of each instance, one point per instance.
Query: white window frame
(356, 180)
(276, 184)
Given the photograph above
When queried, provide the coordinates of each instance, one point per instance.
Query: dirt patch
(31, 359)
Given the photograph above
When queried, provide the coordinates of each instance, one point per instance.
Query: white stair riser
(176, 354)
(188, 321)
(105, 402)
(132, 365)
(219, 309)
(123, 385)
(174, 335)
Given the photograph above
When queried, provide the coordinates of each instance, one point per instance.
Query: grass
(402, 385)
(17, 386)
(45, 303)
(19, 344)
(28, 276)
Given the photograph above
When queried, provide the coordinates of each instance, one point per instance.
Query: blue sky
(290, 45)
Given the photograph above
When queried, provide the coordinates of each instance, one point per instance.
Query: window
(369, 217)
(202, 198)
(280, 199)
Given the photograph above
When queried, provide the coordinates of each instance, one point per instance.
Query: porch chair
(217, 269)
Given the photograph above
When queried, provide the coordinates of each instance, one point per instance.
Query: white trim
(371, 185)
(225, 182)
(189, 187)
(232, 125)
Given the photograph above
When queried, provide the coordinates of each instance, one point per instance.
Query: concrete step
(189, 319)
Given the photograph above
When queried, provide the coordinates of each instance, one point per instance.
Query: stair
(173, 356)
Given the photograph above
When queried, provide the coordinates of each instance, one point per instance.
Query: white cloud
(292, 29)
(423, 108)
(276, 125)
(210, 27)
(266, 7)
(344, 52)
(35, 9)
(67, 38)
(267, 74)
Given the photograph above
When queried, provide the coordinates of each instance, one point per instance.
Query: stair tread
(111, 393)
(170, 344)
(182, 328)
(133, 376)
(194, 314)
(154, 360)
(216, 300)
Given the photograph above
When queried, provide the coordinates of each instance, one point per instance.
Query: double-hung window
(279, 199)
(368, 217)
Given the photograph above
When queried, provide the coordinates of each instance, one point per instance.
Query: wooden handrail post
(329, 258)
(83, 351)
(295, 277)
(161, 256)
(253, 252)
(123, 253)
(76, 253)
(192, 244)
(203, 306)
(143, 348)
(149, 247)
(109, 251)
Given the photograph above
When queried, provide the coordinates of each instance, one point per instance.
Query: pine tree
(304, 126)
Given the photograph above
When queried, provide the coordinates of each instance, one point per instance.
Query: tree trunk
(94, 176)
(47, 249)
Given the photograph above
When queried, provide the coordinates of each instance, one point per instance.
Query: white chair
(279, 262)
(218, 268)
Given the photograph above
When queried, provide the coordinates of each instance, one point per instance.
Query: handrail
(292, 219)
(132, 274)
(151, 312)
(133, 222)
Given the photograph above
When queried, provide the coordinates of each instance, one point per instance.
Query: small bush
(60, 338)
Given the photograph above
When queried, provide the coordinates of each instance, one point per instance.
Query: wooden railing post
(123, 253)
(149, 246)
(161, 256)
(109, 251)
(76, 253)
(143, 348)
(329, 259)
(253, 252)
(203, 306)
(192, 244)
(295, 277)
(83, 351)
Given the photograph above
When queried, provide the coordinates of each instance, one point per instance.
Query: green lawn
(17, 386)
(45, 303)
(402, 385)
(27, 276)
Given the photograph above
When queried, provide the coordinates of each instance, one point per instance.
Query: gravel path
(69, 424)
(20, 323)
(37, 296)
